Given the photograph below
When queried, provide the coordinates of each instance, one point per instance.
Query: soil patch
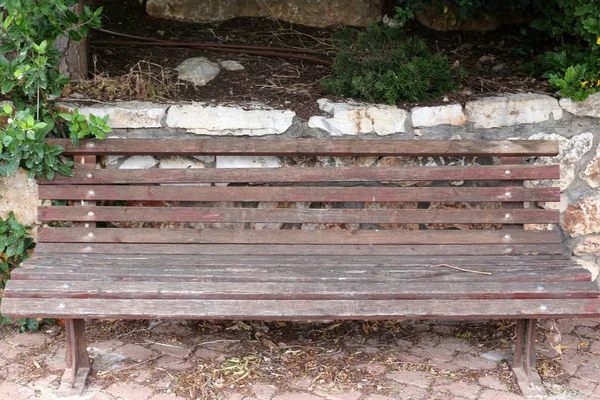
(494, 61)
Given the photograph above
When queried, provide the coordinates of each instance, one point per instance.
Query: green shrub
(29, 76)
(15, 243)
(381, 65)
(575, 69)
(469, 9)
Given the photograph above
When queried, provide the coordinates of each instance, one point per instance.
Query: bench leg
(523, 364)
(77, 359)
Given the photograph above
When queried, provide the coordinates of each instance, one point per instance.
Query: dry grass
(145, 81)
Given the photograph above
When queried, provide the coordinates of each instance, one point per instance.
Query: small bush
(15, 243)
(381, 65)
(575, 69)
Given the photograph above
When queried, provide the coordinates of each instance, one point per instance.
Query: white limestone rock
(583, 217)
(434, 116)
(571, 152)
(514, 109)
(128, 114)
(357, 118)
(591, 266)
(231, 65)
(180, 163)
(19, 194)
(248, 162)
(139, 162)
(589, 107)
(205, 119)
(198, 70)
(591, 173)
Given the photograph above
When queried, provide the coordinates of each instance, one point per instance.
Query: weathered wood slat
(301, 291)
(285, 250)
(298, 194)
(355, 216)
(379, 264)
(307, 147)
(297, 258)
(236, 275)
(267, 272)
(279, 175)
(298, 309)
(149, 235)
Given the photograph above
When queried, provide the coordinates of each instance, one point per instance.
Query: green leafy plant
(575, 69)
(30, 77)
(381, 65)
(15, 245)
(470, 9)
(575, 18)
(577, 82)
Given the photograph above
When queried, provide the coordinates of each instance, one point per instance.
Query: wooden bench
(81, 271)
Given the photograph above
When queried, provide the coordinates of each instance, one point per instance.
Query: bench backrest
(407, 198)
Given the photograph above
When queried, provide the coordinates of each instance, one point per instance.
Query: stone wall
(305, 12)
(522, 116)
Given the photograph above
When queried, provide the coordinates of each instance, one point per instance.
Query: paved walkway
(350, 360)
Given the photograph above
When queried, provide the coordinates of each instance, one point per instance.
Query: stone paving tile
(492, 383)
(591, 374)
(583, 386)
(130, 391)
(470, 361)
(413, 393)
(466, 390)
(378, 397)
(9, 390)
(498, 395)
(415, 378)
(166, 396)
(136, 352)
(296, 396)
(107, 344)
(351, 395)
(262, 391)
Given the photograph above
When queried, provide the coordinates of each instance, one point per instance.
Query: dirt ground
(496, 62)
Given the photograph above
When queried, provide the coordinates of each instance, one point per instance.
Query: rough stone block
(248, 162)
(205, 119)
(357, 118)
(19, 195)
(139, 162)
(591, 173)
(127, 115)
(589, 107)
(180, 163)
(198, 70)
(514, 109)
(442, 115)
(571, 151)
(589, 245)
(583, 217)
(593, 267)
(305, 12)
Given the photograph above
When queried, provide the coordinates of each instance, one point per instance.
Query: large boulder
(306, 12)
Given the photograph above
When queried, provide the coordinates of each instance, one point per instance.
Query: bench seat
(300, 286)
(430, 230)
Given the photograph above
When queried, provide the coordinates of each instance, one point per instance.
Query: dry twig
(462, 269)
